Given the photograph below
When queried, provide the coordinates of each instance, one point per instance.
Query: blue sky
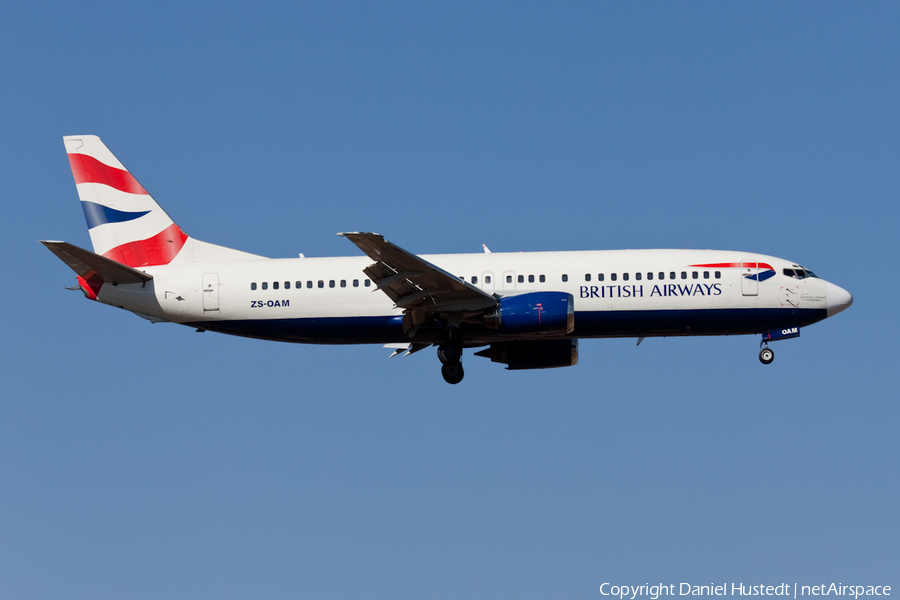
(148, 461)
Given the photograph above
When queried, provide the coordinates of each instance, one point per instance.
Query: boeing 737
(526, 310)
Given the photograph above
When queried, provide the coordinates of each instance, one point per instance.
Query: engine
(541, 313)
(533, 354)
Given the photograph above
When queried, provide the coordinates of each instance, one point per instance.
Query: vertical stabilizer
(125, 222)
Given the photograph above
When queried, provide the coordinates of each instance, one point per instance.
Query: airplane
(526, 310)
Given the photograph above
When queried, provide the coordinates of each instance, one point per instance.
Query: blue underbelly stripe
(595, 324)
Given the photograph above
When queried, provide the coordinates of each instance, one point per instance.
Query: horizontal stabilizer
(86, 263)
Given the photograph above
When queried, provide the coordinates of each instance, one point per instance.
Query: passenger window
(612, 276)
(600, 277)
(521, 279)
(321, 284)
(265, 285)
(662, 275)
(356, 283)
(718, 274)
(509, 279)
(587, 276)
(531, 279)
(331, 283)
(487, 278)
(309, 284)
(474, 279)
(695, 275)
(542, 278)
(343, 283)
(624, 276)
(684, 274)
(253, 286)
(650, 276)
(671, 274)
(565, 278)
(705, 274)
(637, 276)
(298, 284)
(367, 282)
(287, 285)
(274, 285)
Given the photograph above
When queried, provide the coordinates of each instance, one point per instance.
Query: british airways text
(637, 291)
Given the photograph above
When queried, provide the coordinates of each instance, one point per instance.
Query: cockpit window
(799, 273)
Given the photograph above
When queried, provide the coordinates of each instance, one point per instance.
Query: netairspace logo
(654, 592)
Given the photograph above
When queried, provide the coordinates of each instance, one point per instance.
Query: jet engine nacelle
(542, 313)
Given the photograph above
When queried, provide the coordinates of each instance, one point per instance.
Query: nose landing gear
(766, 356)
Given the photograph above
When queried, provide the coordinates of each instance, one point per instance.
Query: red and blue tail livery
(526, 310)
(125, 222)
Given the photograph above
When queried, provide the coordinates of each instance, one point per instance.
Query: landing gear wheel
(766, 356)
(452, 372)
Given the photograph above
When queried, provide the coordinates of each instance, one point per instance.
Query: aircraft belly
(722, 321)
(319, 330)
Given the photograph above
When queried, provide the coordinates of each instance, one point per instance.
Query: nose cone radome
(837, 299)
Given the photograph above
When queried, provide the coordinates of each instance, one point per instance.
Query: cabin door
(210, 292)
(749, 278)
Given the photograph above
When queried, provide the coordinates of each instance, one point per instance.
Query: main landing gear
(766, 355)
(450, 353)
(453, 372)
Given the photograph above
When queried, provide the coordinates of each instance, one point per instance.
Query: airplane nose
(836, 299)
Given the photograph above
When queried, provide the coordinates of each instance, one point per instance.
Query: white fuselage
(330, 300)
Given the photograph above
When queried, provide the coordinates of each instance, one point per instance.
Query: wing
(416, 285)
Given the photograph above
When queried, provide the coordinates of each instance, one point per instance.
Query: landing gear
(766, 355)
(453, 372)
(449, 354)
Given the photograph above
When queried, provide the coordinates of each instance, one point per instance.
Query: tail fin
(125, 222)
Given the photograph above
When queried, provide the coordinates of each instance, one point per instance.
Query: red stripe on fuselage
(88, 169)
(158, 250)
(736, 265)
